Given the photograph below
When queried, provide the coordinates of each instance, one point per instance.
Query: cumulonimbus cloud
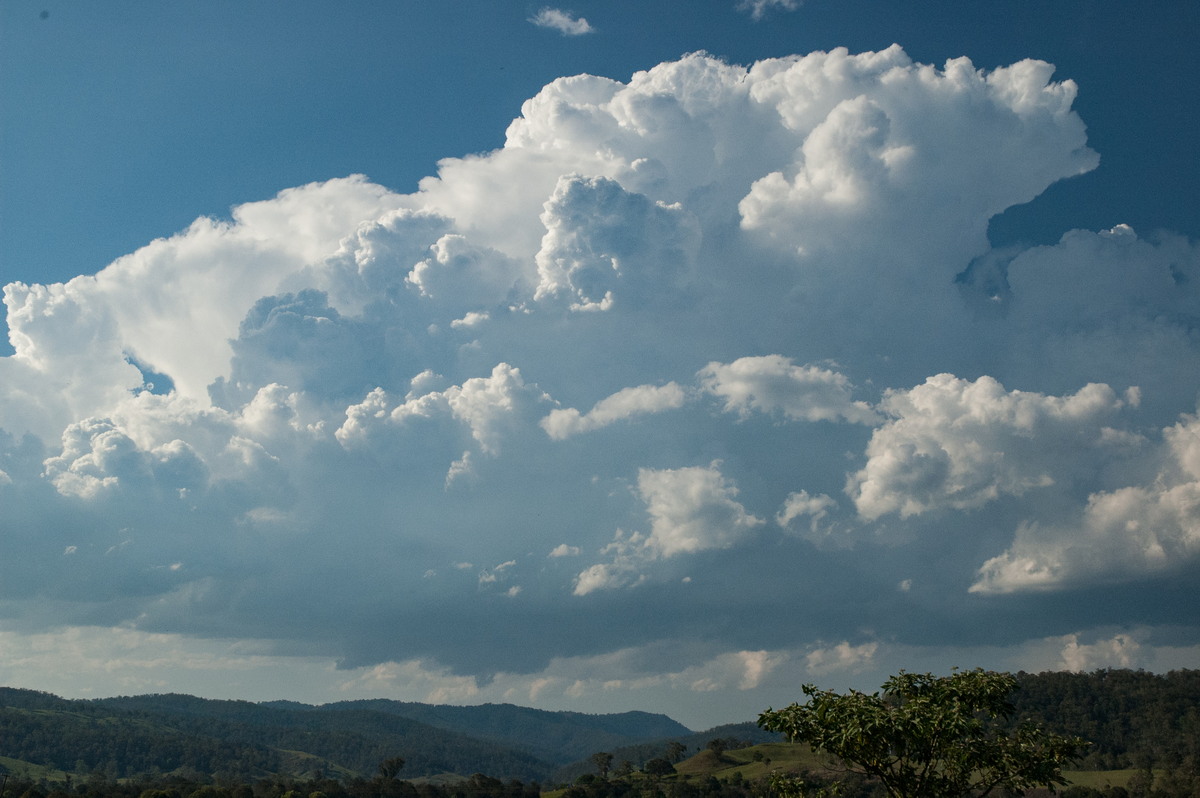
(675, 306)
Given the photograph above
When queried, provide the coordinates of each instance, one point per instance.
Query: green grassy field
(27, 770)
(754, 762)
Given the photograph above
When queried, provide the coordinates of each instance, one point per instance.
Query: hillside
(1130, 717)
(736, 736)
(136, 735)
(558, 737)
(1134, 720)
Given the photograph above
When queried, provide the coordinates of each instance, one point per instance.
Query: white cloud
(624, 404)
(693, 509)
(604, 244)
(954, 443)
(460, 274)
(1119, 651)
(829, 209)
(564, 22)
(630, 553)
(1122, 534)
(802, 505)
(413, 677)
(884, 137)
(758, 9)
(841, 657)
(774, 384)
(490, 407)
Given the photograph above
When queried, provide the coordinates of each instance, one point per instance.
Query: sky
(607, 356)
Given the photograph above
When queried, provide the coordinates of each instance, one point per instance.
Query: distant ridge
(559, 737)
(1131, 718)
(132, 736)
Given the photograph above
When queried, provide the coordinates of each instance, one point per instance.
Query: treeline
(194, 748)
(150, 735)
(559, 737)
(96, 786)
(1133, 719)
(731, 736)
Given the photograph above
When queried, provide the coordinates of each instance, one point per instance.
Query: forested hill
(1133, 719)
(124, 737)
(148, 734)
(558, 737)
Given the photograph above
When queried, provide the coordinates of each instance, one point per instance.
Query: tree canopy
(927, 736)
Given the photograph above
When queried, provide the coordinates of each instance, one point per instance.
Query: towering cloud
(665, 312)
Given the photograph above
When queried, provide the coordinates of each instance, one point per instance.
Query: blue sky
(368, 352)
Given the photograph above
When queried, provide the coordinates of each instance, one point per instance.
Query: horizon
(595, 359)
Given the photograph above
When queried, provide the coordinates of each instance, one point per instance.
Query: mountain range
(1132, 719)
(156, 734)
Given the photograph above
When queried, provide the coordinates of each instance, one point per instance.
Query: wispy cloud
(564, 22)
(758, 9)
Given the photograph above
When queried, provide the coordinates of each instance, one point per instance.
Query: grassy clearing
(761, 760)
(28, 770)
(755, 762)
(1100, 779)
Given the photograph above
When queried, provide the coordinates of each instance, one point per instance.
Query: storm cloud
(688, 352)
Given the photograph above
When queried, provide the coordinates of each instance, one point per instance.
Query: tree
(602, 760)
(717, 746)
(389, 769)
(675, 751)
(658, 767)
(927, 736)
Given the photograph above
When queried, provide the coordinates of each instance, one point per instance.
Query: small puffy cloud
(564, 22)
(563, 550)
(841, 657)
(758, 9)
(954, 443)
(1123, 534)
(490, 407)
(1119, 651)
(472, 319)
(495, 574)
(624, 404)
(601, 576)
(693, 509)
(415, 677)
(629, 554)
(774, 384)
(801, 505)
(735, 670)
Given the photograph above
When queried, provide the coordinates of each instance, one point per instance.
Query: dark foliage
(124, 737)
(184, 747)
(1132, 718)
(735, 735)
(558, 737)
